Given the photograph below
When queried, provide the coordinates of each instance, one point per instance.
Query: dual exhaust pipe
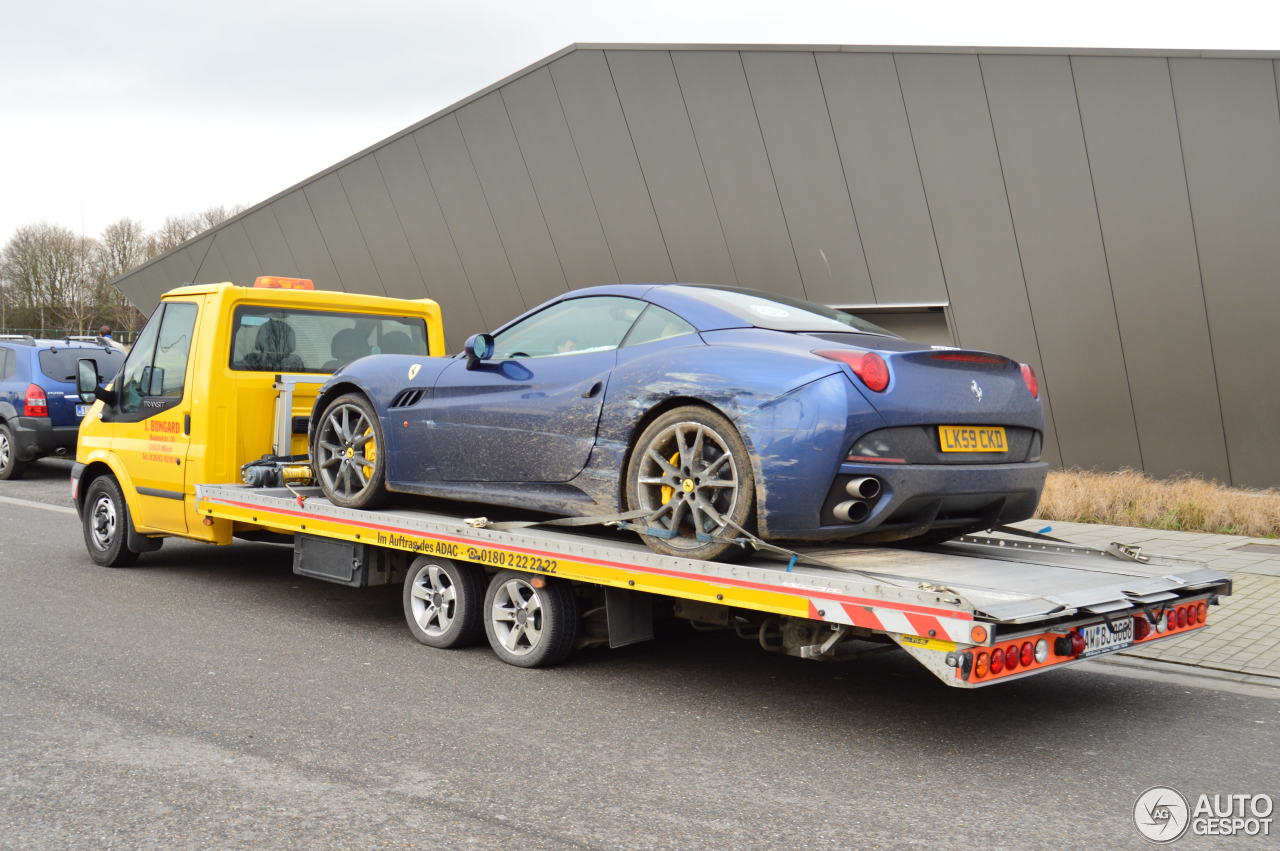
(864, 490)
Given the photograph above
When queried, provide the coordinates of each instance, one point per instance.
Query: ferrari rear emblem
(413, 370)
(973, 387)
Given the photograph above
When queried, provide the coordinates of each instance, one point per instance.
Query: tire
(443, 602)
(349, 473)
(688, 460)
(527, 626)
(10, 466)
(105, 521)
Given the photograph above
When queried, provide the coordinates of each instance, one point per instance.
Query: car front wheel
(347, 454)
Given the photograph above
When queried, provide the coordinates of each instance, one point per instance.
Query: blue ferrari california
(712, 408)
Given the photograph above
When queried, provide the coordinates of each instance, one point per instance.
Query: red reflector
(1182, 618)
(1029, 377)
(868, 366)
(1201, 611)
(36, 404)
(968, 357)
(997, 660)
(1141, 627)
(1011, 658)
(1028, 653)
(1077, 643)
(871, 459)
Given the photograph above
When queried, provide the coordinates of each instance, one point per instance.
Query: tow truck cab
(195, 398)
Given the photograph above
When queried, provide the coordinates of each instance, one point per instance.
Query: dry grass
(1186, 504)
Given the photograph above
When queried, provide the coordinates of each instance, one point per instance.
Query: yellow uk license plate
(972, 439)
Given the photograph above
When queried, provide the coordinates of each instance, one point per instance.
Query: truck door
(151, 420)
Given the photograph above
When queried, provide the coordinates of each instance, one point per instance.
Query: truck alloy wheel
(442, 602)
(531, 621)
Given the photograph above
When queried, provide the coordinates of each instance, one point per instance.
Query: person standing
(105, 333)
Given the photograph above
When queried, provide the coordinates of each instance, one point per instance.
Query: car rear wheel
(691, 470)
(347, 454)
(105, 520)
(10, 466)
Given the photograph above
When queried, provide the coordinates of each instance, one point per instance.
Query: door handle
(186, 424)
(593, 390)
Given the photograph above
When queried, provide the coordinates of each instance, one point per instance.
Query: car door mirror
(87, 386)
(478, 347)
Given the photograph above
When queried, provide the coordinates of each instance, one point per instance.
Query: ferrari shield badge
(413, 370)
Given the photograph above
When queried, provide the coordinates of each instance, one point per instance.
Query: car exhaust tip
(863, 487)
(852, 511)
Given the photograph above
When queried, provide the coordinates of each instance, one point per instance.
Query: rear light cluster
(870, 368)
(35, 404)
(1181, 618)
(1029, 378)
(1004, 659)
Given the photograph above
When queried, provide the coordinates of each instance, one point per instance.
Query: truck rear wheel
(442, 602)
(105, 520)
(531, 620)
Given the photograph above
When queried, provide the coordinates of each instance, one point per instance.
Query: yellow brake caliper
(667, 490)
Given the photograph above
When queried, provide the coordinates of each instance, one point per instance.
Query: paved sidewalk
(1242, 641)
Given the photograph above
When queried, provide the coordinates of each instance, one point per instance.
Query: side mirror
(478, 347)
(87, 387)
(153, 381)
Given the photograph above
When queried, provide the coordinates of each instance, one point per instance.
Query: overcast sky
(148, 109)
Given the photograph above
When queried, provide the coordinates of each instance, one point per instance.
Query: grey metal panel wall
(429, 238)
(608, 158)
(723, 117)
(806, 164)
(1046, 174)
(1110, 219)
(658, 121)
(1131, 132)
(306, 243)
(470, 221)
(951, 129)
(870, 121)
(559, 184)
(1227, 112)
(342, 235)
(508, 190)
(269, 245)
(380, 229)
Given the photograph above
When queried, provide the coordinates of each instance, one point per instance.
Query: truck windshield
(60, 363)
(275, 339)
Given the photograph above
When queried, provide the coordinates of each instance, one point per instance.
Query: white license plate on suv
(80, 410)
(1099, 638)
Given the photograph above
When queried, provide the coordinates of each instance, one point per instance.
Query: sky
(150, 109)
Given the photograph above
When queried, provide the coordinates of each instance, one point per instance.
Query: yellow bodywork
(231, 412)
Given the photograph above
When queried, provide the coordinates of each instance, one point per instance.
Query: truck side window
(157, 364)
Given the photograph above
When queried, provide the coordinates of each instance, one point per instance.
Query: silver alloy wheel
(689, 479)
(516, 617)
(434, 600)
(345, 459)
(6, 451)
(103, 519)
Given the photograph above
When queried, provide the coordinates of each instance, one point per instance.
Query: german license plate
(1099, 638)
(81, 410)
(972, 439)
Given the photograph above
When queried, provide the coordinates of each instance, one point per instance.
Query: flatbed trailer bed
(974, 611)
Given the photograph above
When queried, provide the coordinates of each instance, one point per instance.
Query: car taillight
(1029, 377)
(868, 366)
(36, 403)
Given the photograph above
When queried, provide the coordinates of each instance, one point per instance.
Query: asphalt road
(208, 697)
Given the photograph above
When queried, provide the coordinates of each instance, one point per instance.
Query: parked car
(716, 409)
(40, 412)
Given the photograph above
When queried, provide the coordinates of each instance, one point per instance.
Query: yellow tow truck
(223, 375)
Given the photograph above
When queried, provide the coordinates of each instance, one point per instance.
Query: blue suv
(40, 412)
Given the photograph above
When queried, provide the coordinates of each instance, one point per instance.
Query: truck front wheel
(105, 519)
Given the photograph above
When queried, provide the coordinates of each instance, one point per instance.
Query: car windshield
(59, 363)
(780, 313)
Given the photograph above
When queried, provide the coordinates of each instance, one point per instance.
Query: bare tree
(46, 270)
(178, 229)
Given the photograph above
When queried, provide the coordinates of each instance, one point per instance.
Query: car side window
(657, 323)
(6, 363)
(576, 326)
(157, 364)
